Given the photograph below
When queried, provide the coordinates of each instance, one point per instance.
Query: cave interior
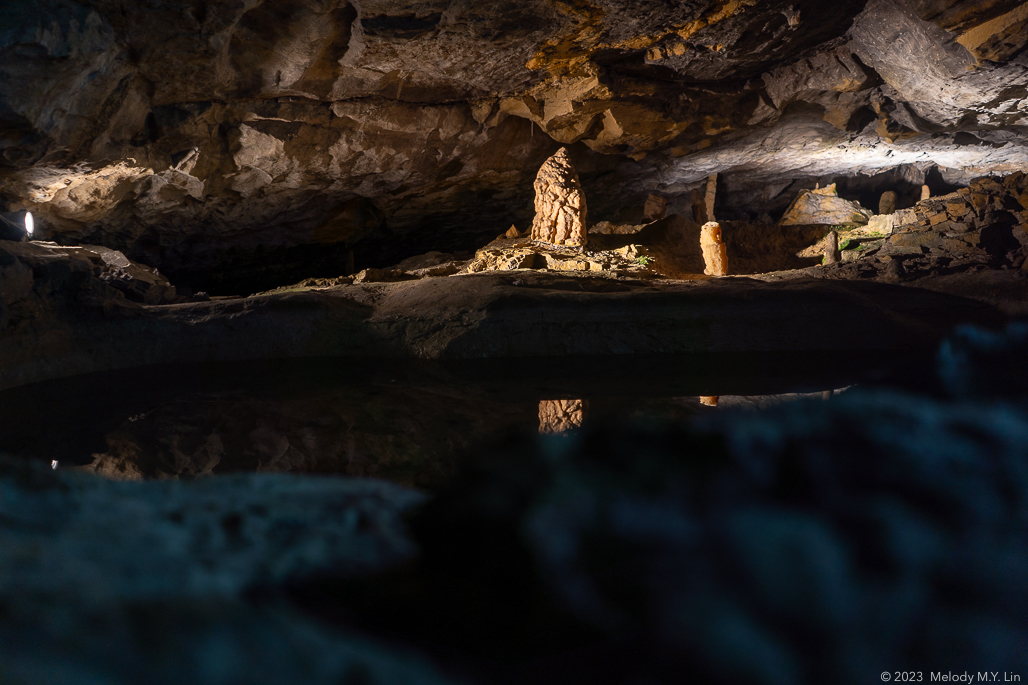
(501, 343)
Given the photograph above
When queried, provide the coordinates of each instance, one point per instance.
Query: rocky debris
(560, 208)
(41, 280)
(709, 400)
(715, 254)
(983, 223)
(505, 255)
(882, 224)
(426, 261)
(383, 276)
(824, 206)
(611, 228)
(139, 283)
(558, 417)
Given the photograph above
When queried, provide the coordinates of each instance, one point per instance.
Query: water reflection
(409, 424)
(557, 417)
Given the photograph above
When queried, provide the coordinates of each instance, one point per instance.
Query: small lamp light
(17, 225)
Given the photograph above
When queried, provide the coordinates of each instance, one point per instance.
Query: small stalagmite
(926, 192)
(832, 248)
(711, 196)
(512, 233)
(887, 204)
(715, 256)
(560, 209)
(557, 417)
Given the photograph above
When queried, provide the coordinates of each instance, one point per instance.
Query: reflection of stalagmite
(561, 416)
(832, 248)
(710, 400)
(715, 256)
(560, 209)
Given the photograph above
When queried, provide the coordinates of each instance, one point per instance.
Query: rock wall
(249, 144)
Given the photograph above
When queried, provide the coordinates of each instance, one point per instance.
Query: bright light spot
(53, 464)
(30, 227)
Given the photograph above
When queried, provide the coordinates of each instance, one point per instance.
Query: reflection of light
(30, 227)
(53, 464)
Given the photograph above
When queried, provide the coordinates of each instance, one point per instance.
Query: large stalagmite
(559, 203)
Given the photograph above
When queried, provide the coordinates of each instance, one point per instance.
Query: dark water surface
(405, 421)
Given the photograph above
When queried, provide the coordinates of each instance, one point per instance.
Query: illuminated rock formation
(560, 209)
(715, 254)
(824, 206)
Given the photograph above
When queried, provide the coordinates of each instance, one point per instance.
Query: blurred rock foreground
(817, 541)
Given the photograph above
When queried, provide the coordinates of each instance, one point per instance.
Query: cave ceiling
(199, 136)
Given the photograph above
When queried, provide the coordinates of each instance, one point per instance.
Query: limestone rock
(425, 261)
(831, 248)
(655, 208)
(882, 223)
(887, 203)
(824, 207)
(715, 254)
(560, 208)
(382, 276)
(710, 197)
(512, 233)
(610, 228)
